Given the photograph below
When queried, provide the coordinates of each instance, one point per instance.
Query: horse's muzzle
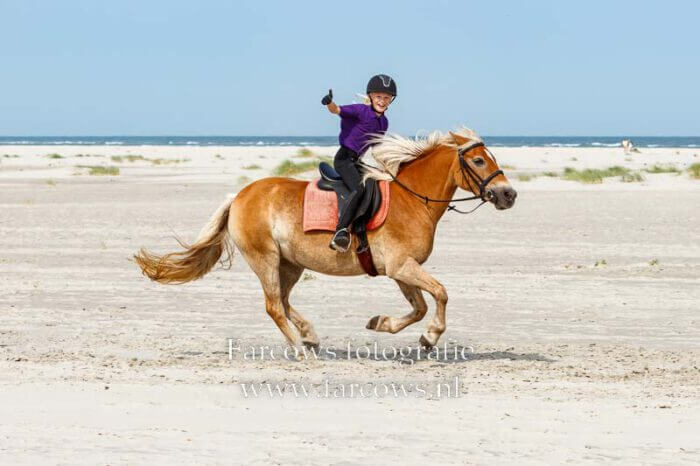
(503, 197)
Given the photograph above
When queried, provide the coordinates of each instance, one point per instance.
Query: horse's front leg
(395, 324)
(410, 272)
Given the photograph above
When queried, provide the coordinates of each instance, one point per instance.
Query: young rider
(358, 123)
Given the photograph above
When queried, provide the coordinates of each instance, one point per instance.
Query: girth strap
(364, 254)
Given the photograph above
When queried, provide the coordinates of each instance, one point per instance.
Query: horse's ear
(459, 140)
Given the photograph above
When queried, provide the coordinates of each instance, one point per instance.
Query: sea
(494, 141)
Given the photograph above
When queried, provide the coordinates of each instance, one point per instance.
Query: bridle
(467, 171)
(473, 175)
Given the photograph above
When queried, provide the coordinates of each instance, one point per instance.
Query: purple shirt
(358, 123)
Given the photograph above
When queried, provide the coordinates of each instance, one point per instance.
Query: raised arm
(328, 102)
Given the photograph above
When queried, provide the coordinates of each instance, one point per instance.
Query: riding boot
(341, 239)
(348, 215)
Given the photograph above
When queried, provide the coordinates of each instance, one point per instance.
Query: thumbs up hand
(328, 98)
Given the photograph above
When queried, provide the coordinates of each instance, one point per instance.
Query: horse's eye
(479, 162)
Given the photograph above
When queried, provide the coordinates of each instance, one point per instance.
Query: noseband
(466, 171)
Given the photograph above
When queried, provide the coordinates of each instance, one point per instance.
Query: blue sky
(261, 67)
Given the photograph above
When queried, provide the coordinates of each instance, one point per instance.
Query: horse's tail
(196, 260)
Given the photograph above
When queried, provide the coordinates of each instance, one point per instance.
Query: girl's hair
(364, 98)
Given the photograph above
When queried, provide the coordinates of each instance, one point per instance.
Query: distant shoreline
(686, 142)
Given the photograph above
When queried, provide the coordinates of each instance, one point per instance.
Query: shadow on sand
(447, 355)
(407, 355)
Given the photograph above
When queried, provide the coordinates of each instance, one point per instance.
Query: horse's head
(477, 171)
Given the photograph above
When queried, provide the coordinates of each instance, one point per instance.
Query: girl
(358, 123)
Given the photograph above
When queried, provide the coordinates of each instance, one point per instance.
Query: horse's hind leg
(266, 266)
(289, 275)
(395, 324)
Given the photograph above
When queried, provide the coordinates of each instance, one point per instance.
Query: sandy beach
(573, 324)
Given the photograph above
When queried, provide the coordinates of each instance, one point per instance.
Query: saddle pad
(321, 208)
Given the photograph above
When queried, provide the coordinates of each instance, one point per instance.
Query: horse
(263, 222)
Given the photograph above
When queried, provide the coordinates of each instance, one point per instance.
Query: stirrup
(337, 246)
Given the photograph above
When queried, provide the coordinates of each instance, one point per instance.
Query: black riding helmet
(382, 83)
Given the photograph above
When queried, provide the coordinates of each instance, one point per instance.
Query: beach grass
(134, 158)
(507, 167)
(254, 166)
(632, 177)
(662, 169)
(694, 171)
(129, 158)
(98, 170)
(304, 152)
(104, 171)
(167, 161)
(525, 177)
(288, 168)
(55, 156)
(593, 175)
(550, 174)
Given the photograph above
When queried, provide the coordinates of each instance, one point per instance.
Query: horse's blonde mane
(392, 150)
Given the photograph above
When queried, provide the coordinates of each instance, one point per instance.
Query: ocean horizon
(495, 141)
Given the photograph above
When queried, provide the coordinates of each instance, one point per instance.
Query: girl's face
(380, 101)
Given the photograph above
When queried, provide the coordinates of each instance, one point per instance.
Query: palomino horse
(264, 223)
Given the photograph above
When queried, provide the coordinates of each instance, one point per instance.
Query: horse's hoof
(312, 345)
(372, 324)
(425, 343)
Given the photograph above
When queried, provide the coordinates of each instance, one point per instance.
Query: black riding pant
(344, 164)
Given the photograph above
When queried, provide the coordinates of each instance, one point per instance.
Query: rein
(463, 167)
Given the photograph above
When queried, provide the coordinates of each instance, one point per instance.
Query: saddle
(325, 200)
